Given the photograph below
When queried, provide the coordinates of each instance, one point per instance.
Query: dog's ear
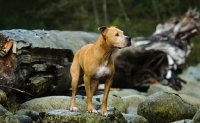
(103, 30)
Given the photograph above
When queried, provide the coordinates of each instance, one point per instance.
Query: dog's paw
(93, 111)
(105, 114)
(74, 109)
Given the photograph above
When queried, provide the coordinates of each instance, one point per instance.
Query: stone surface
(191, 88)
(49, 103)
(131, 103)
(124, 92)
(113, 101)
(131, 118)
(192, 73)
(165, 107)
(191, 99)
(160, 88)
(183, 121)
(7, 117)
(23, 118)
(75, 117)
(196, 118)
(33, 114)
(45, 104)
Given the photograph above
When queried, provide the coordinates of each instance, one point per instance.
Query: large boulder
(165, 107)
(32, 114)
(131, 103)
(113, 101)
(45, 104)
(191, 89)
(196, 118)
(23, 118)
(192, 73)
(131, 118)
(160, 88)
(74, 117)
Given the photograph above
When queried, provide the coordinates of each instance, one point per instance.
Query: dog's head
(115, 37)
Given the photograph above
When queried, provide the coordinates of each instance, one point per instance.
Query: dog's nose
(128, 38)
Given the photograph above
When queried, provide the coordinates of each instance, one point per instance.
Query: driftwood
(156, 58)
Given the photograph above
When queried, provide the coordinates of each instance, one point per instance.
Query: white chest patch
(102, 72)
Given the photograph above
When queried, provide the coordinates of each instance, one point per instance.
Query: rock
(7, 117)
(23, 118)
(196, 118)
(49, 103)
(132, 118)
(124, 92)
(3, 96)
(192, 100)
(76, 117)
(33, 114)
(160, 88)
(131, 103)
(113, 101)
(192, 73)
(45, 104)
(165, 107)
(191, 88)
(67, 116)
(3, 111)
(183, 121)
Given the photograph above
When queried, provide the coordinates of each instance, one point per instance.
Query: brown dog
(96, 62)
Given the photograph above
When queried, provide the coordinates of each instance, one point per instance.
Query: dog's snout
(128, 38)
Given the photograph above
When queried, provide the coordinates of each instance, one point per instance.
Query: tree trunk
(123, 11)
(105, 12)
(95, 12)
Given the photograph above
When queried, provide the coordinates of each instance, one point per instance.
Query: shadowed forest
(135, 18)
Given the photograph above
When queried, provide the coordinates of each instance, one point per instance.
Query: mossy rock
(196, 118)
(165, 108)
(7, 117)
(3, 96)
(76, 117)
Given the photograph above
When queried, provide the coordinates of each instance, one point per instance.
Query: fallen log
(38, 61)
(157, 58)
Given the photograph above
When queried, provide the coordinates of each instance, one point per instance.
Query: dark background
(135, 18)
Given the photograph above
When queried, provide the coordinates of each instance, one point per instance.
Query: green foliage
(143, 15)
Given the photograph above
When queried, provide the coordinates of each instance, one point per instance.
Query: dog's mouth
(129, 44)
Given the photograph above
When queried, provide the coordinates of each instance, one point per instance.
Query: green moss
(165, 108)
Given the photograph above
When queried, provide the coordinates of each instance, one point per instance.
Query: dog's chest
(102, 72)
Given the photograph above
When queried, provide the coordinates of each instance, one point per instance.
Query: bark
(123, 11)
(156, 59)
(39, 61)
(105, 11)
(96, 15)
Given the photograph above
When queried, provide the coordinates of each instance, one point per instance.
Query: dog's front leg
(107, 87)
(87, 81)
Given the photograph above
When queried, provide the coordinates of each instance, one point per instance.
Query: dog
(96, 62)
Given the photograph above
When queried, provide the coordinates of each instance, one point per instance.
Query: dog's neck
(104, 48)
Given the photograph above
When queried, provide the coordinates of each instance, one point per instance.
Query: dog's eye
(116, 34)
